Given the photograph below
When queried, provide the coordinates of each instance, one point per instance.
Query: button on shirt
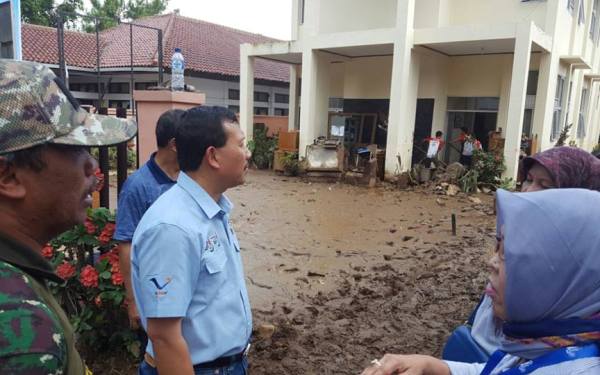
(140, 190)
(186, 263)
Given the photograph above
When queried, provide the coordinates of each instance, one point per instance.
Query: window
(582, 112)
(594, 21)
(264, 111)
(473, 104)
(260, 96)
(532, 82)
(234, 108)
(74, 86)
(571, 6)
(569, 101)
(234, 94)
(581, 19)
(560, 83)
(282, 98)
(119, 88)
(281, 112)
(144, 85)
(301, 3)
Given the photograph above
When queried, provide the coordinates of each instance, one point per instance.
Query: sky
(271, 18)
(268, 17)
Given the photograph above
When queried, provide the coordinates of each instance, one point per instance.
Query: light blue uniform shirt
(185, 262)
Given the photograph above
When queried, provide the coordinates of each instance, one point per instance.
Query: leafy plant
(563, 136)
(469, 181)
(489, 167)
(92, 294)
(262, 148)
(507, 184)
(486, 169)
(291, 163)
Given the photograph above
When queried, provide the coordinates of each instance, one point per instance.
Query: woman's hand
(392, 364)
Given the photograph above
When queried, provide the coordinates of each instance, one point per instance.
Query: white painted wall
(368, 78)
(351, 15)
(478, 12)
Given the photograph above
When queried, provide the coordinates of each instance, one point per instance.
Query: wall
(368, 78)
(478, 12)
(216, 91)
(352, 15)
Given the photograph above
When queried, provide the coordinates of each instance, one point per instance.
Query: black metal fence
(103, 152)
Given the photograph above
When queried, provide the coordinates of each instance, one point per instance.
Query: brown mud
(346, 274)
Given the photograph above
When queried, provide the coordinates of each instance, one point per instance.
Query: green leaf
(105, 275)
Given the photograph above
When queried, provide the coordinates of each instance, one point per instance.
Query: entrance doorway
(478, 114)
(423, 123)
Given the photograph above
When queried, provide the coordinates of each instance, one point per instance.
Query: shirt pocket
(215, 261)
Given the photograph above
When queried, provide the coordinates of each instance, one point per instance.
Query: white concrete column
(544, 100)
(314, 99)
(516, 103)
(401, 122)
(246, 90)
(293, 103)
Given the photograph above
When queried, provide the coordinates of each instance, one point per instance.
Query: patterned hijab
(570, 167)
(552, 261)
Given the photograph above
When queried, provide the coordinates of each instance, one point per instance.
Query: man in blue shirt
(187, 271)
(139, 192)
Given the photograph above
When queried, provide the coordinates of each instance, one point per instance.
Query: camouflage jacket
(35, 334)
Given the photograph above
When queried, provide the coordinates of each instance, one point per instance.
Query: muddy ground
(346, 274)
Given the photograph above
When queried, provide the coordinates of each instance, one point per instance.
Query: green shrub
(262, 148)
(291, 163)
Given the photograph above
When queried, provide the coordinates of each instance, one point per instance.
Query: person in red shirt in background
(469, 145)
(435, 145)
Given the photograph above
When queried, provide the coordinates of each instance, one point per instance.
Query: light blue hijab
(552, 262)
(552, 253)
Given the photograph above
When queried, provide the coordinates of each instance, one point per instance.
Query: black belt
(221, 361)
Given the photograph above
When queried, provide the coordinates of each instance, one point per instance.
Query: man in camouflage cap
(46, 181)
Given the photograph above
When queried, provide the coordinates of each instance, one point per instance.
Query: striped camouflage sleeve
(31, 339)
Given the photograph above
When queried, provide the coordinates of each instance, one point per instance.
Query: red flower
(112, 256)
(99, 179)
(90, 227)
(89, 277)
(117, 278)
(65, 271)
(98, 301)
(47, 251)
(107, 233)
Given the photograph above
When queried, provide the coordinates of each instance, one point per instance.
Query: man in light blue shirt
(187, 272)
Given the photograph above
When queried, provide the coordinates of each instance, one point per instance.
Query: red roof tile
(39, 43)
(207, 47)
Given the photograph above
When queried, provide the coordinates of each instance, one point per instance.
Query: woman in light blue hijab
(544, 287)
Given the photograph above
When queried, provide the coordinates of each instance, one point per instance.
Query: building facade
(400, 70)
(211, 52)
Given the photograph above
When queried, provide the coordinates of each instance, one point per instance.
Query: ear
(11, 185)
(172, 146)
(212, 158)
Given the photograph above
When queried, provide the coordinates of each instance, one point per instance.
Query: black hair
(29, 158)
(465, 130)
(199, 129)
(166, 127)
(438, 133)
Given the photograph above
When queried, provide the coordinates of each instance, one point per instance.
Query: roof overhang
(576, 61)
(479, 39)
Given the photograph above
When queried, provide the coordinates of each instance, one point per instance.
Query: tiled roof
(207, 47)
(39, 43)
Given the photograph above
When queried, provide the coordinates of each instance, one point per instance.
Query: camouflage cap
(36, 108)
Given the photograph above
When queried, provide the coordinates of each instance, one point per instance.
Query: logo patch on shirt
(212, 243)
(160, 285)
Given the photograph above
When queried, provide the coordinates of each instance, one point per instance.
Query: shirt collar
(26, 258)
(205, 201)
(159, 175)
